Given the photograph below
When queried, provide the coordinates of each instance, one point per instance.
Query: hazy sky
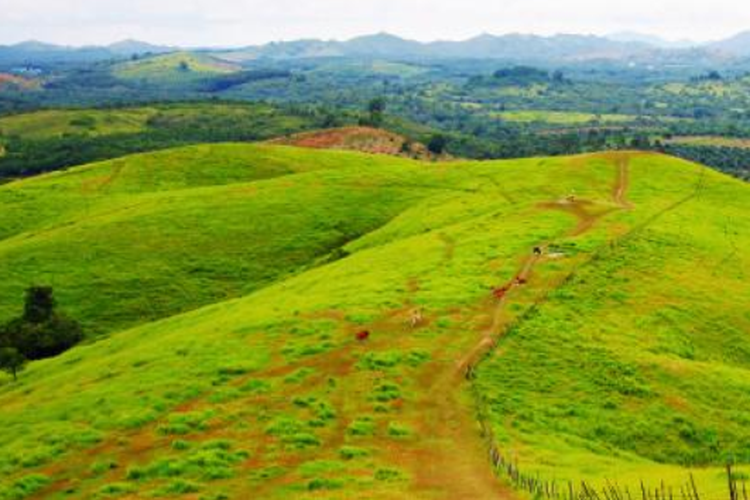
(244, 22)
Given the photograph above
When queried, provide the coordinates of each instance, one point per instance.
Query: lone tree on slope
(12, 361)
(437, 144)
(376, 108)
(41, 332)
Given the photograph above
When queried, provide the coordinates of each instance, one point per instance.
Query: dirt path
(470, 475)
(622, 184)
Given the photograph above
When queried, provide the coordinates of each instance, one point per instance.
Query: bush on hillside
(11, 361)
(41, 332)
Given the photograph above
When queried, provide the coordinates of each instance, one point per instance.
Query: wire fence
(540, 488)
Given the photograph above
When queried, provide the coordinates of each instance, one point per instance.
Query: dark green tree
(40, 304)
(12, 361)
(437, 144)
(41, 332)
(376, 108)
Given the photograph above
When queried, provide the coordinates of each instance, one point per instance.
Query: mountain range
(519, 47)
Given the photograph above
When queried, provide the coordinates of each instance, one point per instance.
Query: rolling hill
(58, 123)
(616, 351)
(50, 140)
(176, 67)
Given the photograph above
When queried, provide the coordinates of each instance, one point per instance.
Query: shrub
(26, 486)
(352, 452)
(41, 332)
(398, 430)
(361, 427)
(388, 475)
(324, 484)
(178, 487)
(386, 392)
(116, 489)
(100, 467)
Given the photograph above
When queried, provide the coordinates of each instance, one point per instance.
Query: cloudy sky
(244, 22)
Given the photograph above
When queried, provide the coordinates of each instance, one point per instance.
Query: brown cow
(363, 335)
(500, 293)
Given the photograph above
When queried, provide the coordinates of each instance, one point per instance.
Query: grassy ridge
(638, 364)
(198, 227)
(269, 395)
(563, 118)
(56, 123)
(44, 141)
(178, 67)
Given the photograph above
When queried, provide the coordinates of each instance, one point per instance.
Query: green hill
(42, 141)
(177, 67)
(200, 229)
(620, 352)
(56, 123)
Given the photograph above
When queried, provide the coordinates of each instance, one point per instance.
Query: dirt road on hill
(463, 470)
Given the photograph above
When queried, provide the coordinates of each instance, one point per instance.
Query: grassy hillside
(51, 124)
(562, 117)
(56, 123)
(50, 140)
(271, 396)
(200, 229)
(177, 67)
(638, 364)
(729, 142)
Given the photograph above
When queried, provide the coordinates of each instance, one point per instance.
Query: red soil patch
(13, 81)
(363, 139)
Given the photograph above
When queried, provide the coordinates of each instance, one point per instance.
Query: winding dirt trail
(587, 219)
(462, 471)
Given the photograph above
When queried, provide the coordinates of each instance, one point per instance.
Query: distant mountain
(620, 47)
(35, 46)
(382, 45)
(655, 41)
(511, 47)
(131, 47)
(34, 52)
(537, 48)
(738, 45)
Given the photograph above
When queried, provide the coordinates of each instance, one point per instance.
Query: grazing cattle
(538, 251)
(500, 293)
(363, 335)
(520, 281)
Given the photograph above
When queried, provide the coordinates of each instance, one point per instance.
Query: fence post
(732, 485)
(695, 489)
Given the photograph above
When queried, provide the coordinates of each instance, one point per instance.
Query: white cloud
(242, 22)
